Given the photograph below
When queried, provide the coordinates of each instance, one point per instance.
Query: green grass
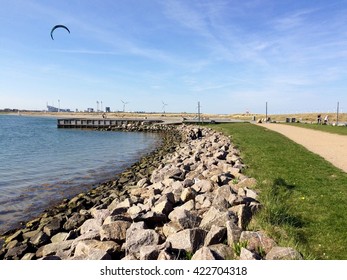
(342, 130)
(304, 197)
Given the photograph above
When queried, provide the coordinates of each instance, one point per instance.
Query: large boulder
(114, 231)
(204, 253)
(184, 218)
(90, 225)
(283, 253)
(139, 238)
(189, 240)
(257, 240)
(54, 248)
(216, 217)
(94, 249)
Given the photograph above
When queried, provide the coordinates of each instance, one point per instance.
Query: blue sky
(232, 56)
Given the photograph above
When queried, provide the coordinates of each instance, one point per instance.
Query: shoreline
(64, 190)
(188, 200)
(144, 165)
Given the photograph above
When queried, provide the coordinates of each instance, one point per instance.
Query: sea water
(41, 164)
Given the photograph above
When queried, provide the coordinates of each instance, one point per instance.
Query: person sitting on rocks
(192, 135)
(199, 133)
(319, 119)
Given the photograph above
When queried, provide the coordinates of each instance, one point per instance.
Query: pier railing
(102, 123)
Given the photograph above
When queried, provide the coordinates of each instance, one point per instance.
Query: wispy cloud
(256, 49)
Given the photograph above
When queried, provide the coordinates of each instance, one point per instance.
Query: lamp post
(266, 112)
(199, 111)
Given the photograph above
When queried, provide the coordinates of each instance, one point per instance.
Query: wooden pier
(103, 123)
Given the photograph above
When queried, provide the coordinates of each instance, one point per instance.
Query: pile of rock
(196, 204)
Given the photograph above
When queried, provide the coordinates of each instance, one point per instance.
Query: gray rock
(257, 240)
(220, 155)
(151, 252)
(203, 253)
(16, 253)
(100, 214)
(135, 210)
(12, 244)
(90, 225)
(215, 235)
(39, 239)
(246, 254)
(18, 235)
(171, 228)
(246, 183)
(185, 219)
(251, 193)
(139, 238)
(167, 172)
(93, 255)
(244, 215)
(227, 193)
(53, 248)
(232, 170)
(220, 203)
(189, 205)
(164, 206)
(30, 234)
(130, 257)
(60, 236)
(28, 256)
(187, 194)
(189, 240)
(233, 233)
(113, 204)
(151, 217)
(134, 227)
(166, 255)
(283, 253)
(51, 258)
(188, 183)
(95, 234)
(53, 227)
(222, 252)
(202, 186)
(216, 217)
(141, 183)
(121, 207)
(121, 217)
(75, 221)
(114, 231)
(88, 248)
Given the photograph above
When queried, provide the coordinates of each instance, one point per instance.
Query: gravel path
(332, 147)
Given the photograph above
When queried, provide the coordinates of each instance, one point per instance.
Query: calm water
(40, 164)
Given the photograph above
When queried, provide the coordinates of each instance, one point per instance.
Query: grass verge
(304, 197)
(341, 130)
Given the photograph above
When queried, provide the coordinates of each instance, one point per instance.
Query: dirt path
(330, 146)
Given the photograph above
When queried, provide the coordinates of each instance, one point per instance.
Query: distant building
(107, 109)
(52, 109)
(9, 110)
(55, 109)
(90, 110)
